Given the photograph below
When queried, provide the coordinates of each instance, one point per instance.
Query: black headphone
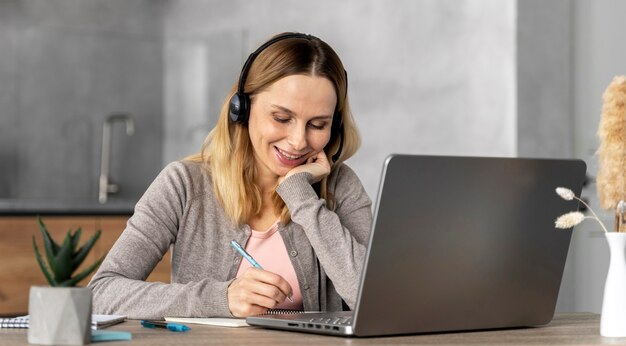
(239, 108)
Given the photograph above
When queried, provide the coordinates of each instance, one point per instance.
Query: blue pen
(174, 327)
(249, 258)
(245, 255)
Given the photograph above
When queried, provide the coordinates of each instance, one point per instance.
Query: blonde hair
(227, 152)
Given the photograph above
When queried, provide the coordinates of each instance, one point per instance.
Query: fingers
(255, 292)
(317, 165)
(319, 158)
(270, 285)
(322, 159)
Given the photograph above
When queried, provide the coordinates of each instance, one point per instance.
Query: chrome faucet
(105, 186)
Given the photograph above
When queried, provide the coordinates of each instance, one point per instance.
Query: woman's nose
(297, 138)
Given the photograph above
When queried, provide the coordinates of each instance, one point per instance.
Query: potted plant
(611, 184)
(60, 314)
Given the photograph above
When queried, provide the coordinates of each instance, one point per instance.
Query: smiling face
(290, 121)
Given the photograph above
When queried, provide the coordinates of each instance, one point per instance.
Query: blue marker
(174, 327)
(249, 258)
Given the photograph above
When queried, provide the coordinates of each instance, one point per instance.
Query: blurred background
(446, 77)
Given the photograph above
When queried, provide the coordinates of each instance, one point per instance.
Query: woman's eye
(281, 120)
(318, 126)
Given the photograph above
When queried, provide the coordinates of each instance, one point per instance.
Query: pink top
(269, 250)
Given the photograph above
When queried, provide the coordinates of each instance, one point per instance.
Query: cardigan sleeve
(338, 237)
(118, 287)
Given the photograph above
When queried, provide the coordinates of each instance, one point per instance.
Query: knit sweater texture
(180, 211)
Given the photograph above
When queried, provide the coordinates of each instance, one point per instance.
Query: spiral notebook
(97, 321)
(14, 322)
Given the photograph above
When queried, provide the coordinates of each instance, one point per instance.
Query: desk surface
(565, 329)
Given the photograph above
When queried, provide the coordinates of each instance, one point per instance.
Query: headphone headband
(246, 66)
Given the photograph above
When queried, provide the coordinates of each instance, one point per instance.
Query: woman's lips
(289, 159)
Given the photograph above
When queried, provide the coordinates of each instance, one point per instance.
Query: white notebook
(210, 321)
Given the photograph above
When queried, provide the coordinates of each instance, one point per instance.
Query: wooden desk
(565, 329)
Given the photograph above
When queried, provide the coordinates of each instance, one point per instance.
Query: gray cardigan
(179, 209)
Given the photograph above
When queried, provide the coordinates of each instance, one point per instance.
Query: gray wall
(65, 65)
(429, 77)
(8, 98)
(544, 81)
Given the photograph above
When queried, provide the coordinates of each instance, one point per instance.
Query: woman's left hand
(317, 165)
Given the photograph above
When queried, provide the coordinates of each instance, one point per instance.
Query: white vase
(59, 315)
(613, 320)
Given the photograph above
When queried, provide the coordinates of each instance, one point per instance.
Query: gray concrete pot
(59, 315)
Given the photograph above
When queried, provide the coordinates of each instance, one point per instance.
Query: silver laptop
(458, 243)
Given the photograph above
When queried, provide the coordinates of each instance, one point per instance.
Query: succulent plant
(64, 259)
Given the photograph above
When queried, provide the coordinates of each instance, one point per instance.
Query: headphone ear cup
(239, 108)
(234, 108)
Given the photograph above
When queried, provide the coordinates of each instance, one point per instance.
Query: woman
(269, 176)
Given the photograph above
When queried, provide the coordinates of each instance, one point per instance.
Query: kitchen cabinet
(19, 269)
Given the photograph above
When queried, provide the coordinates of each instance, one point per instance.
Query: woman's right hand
(256, 291)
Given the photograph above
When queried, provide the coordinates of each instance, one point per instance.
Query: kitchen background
(445, 77)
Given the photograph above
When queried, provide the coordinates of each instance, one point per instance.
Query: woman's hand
(256, 291)
(317, 165)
